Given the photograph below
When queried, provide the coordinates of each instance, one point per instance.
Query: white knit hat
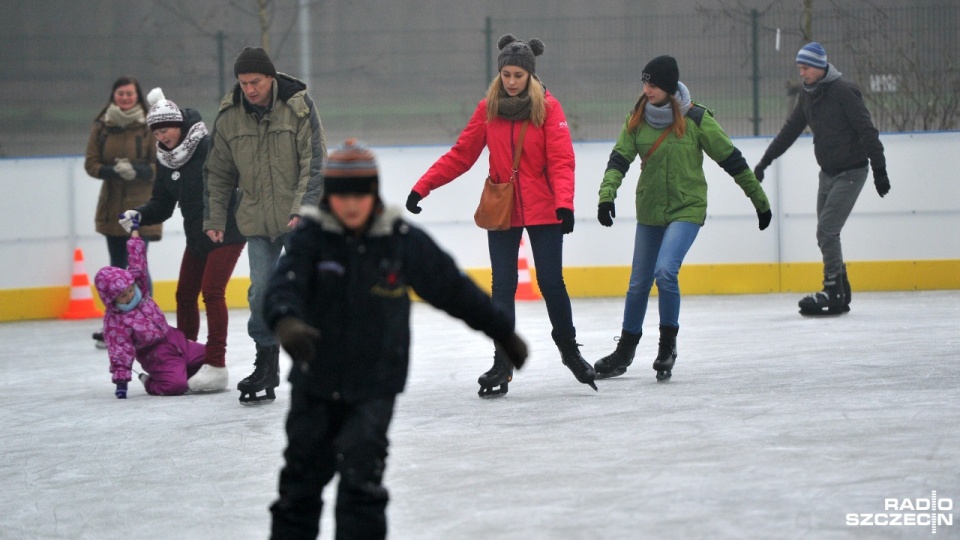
(163, 112)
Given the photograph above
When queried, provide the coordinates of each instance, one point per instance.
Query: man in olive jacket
(268, 144)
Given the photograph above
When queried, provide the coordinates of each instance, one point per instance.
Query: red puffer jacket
(546, 179)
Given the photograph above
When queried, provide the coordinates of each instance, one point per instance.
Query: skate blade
(102, 345)
(664, 375)
(487, 392)
(835, 312)
(615, 373)
(593, 385)
(251, 399)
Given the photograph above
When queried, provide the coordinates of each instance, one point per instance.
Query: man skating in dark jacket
(844, 138)
(340, 306)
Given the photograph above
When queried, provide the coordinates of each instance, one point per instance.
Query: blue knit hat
(813, 54)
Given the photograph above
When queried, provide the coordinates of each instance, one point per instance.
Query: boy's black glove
(764, 218)
(565, 215)
(606, 211)
(412, 200)
(515, 349)
(881, 181)
(297, 337)
(758, 170)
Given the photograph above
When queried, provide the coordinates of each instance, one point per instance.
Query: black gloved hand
(881, 181)
(515, 349)
(764, 218)
(297, 337)
(412, 200)
(758, 171)
(606, 211)
(566, 216)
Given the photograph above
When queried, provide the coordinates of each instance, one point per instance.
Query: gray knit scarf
(661, 116)
(514, 107)
(179, 156)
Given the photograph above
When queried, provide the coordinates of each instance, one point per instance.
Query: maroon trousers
(208, 276)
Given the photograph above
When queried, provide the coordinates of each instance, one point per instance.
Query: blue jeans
(117, 248)
(658, 253)
(263, 254)
(546, 243)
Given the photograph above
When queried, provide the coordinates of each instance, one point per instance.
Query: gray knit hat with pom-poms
(514, 52)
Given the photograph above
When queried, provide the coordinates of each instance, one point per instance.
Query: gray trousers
(835, 199)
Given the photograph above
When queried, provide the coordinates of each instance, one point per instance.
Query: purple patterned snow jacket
(134, 334)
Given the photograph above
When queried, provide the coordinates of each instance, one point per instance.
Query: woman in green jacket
(670, 134)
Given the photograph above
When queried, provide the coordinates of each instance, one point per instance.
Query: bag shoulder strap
(516, 153)
(655, 146)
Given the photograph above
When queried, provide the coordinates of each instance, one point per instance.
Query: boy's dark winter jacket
(355, 291)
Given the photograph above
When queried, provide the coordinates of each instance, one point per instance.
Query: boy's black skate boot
(265, 377)
(494, 382)
(830, 301)
(847, 294)
(570, 355)
(666, 353)
(616, 363)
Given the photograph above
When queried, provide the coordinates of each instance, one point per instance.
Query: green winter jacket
(672, 186)
(274, 162)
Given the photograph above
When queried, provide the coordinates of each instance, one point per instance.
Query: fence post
(755, 27)
(220, 63)
(488, 33)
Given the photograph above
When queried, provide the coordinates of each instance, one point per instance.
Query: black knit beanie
(254, 60)
(514, 52)
(663, 72)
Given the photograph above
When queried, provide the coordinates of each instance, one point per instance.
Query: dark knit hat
(514, 52)
(254, 60)
(163, 112)
(664, 73)
(813, 54)
(350, 169)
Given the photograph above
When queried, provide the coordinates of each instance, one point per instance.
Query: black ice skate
(666, 353)
(570, 356)
(494, 382)
(617, 362)
(830, 301)
(265, 377)
(98, 340)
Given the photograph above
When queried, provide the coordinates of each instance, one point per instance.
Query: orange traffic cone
(525, 288)
(81, 296)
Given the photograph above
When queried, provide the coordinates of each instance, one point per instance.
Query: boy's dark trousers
(327, 437)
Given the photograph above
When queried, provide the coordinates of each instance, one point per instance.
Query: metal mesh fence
(391, 78)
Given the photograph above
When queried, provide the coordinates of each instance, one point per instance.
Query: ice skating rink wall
(909, 240)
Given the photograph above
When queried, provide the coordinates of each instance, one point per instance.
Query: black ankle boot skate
(570, 355)
(495, 381)
(265, 377)
(666, 353)
(847, 294)
(617, 362)
(830, 301)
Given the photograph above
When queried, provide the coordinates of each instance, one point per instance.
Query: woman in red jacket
(543, 194)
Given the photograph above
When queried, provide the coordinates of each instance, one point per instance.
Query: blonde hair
(636, 118)
(538, 100)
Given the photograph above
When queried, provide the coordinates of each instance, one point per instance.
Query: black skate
(617, 362)
(570, 356)
(830, 301)
(494, 382)
(98, 340)
(265, 377)
(666, 353)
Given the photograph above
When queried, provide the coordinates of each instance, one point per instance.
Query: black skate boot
(570, 355)
(830, 301)
(616, 363)
(98, 340)
(495, 381)
(667, 353)
(846, 290)
(265, 377)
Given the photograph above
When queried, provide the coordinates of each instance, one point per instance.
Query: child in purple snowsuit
(134, 328)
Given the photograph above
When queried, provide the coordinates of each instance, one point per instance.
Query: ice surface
(774, 426)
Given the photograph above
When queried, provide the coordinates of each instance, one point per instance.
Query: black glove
(515, 349)
(881, 181)
(606, 211)
(566, 216)
(121, 391)
(297, 337)
(412, 200)
(758, 170)
(764, 218)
